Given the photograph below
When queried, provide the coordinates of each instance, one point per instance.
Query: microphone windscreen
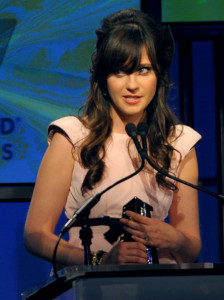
(131, 129)
(143, 128)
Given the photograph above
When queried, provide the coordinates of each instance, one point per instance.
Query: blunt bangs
(122, 51)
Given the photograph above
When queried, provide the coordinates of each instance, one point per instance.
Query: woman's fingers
(127, 253)
(137, 217)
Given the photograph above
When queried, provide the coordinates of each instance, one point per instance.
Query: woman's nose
(132, 82)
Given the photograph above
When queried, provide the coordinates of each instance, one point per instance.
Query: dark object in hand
(144, 209)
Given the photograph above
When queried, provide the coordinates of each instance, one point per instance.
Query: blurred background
(45, 50)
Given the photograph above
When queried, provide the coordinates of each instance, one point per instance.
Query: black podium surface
(107, 282)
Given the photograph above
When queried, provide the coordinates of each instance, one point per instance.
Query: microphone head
(131, 129)
(143, 128)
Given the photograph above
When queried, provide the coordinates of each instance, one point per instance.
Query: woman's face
(131, 93)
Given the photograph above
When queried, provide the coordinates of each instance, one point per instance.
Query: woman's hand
(150, 232)
(126, 253)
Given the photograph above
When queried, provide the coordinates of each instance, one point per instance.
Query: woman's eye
(144, 70)
(119, 72)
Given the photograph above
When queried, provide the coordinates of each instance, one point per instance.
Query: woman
(129, 83)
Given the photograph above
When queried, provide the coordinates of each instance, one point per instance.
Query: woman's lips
(130, 99)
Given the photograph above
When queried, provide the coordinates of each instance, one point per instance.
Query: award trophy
(143, 209)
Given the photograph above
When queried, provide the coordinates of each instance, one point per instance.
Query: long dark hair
(119, 44)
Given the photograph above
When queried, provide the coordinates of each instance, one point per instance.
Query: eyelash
(118, 72)
(139, 70)
(144, 68)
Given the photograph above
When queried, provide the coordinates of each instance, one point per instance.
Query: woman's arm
(48, 201)
(184, 214)
(182, 236)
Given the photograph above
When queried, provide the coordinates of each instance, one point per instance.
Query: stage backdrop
(45, 50)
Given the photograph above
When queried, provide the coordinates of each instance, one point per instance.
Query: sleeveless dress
(119, 165)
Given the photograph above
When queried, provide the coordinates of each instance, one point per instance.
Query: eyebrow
(145, 65)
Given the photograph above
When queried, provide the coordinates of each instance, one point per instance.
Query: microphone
(132, 132)
(84, 210)
(142, 130)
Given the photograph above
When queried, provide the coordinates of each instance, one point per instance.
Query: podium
(137, 282)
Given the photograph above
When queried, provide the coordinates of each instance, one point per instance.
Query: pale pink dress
(119, 165)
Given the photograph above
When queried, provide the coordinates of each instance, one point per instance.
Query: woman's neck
(118, 123)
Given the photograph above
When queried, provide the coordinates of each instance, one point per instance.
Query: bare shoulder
(59, 141)
(189, 167)
(59, 150)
